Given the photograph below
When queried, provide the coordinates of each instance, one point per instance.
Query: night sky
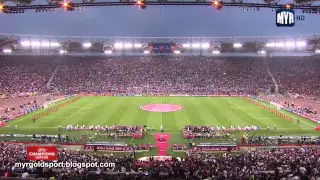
(155, 21)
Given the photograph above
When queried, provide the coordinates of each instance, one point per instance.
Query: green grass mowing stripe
(214, 117)
(181, 117)
(111, 106)
(103, 109)
(193, 113)
(120, 107)
(168, 118)
(129, 116)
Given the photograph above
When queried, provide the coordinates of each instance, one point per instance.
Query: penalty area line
(83, 108)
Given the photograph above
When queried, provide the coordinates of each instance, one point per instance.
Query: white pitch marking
(83, 107)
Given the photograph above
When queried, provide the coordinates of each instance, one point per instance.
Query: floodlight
(54, 44)
(215, 52)
(35, 44)
(301, 43)
(290, 44)
(205, 46)
(237, 45)
(62, 51)
(137, 45)
(118, 45)
(25, 43)
(86, 45)
(146, 52)
(262, 52)
(177, 52)
(7, 51)
(128, 45)
(186, 45)
(45, 44)
(270, 44)
(108, 52)
(196, 45)
(280, 44)
(317, 51)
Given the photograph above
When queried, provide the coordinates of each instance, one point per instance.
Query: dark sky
(155, 21)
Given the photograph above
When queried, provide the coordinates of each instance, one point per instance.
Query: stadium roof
(254, 44)
(21, 5)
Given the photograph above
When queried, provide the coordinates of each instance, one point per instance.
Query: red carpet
(318, 128)
(162, 145)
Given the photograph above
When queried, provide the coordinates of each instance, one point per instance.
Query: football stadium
(153, 107)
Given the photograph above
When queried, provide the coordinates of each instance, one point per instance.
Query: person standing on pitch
(161, 128)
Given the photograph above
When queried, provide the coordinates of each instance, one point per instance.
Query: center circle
(161, 107)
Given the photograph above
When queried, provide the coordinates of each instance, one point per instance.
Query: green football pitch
(215, 111)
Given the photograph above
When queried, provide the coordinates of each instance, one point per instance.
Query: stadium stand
(292, 163)
(21, 76)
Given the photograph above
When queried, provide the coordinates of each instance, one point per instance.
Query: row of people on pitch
(118, 128)
(196, 129)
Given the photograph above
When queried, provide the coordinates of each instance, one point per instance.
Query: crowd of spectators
(27, 74)
(296, 74)
(23, 74)
(133, 75)
(161, 75)
(292, 163)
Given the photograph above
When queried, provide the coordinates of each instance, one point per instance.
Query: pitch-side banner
(42, 153)
(108, 148)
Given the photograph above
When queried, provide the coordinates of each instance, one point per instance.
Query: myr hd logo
(287, 17)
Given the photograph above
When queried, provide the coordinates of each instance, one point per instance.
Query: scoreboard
(161, 48)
